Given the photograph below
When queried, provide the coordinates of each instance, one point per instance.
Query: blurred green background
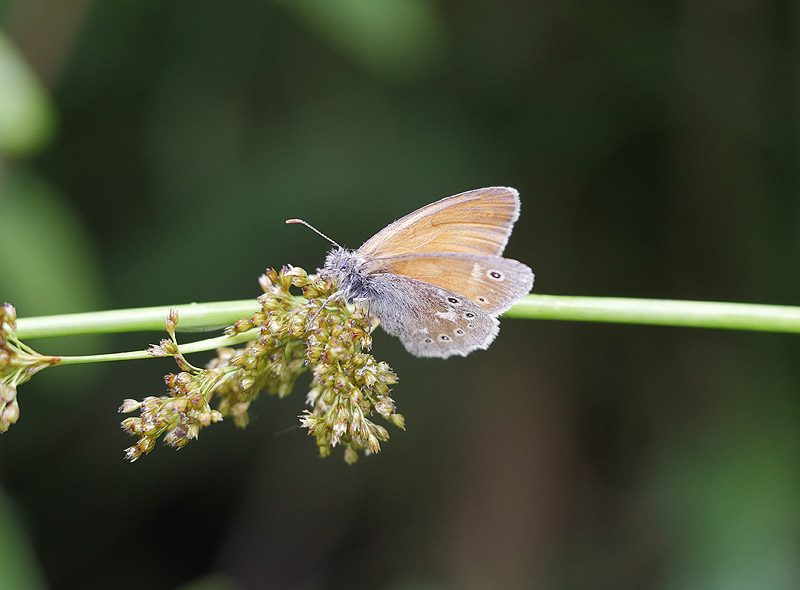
(149, 153)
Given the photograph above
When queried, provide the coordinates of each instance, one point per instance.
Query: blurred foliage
(17, 561)
(26, 117)
(55, 269)
(655, 148)
(395, 38)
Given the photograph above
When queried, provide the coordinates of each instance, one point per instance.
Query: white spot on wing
(449, 315)
(476, 271)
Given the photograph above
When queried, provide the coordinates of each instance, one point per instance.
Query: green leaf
(26, 114)
(18, 568)
(390, 37)
(48, 264)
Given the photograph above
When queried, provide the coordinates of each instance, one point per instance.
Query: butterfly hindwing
(475, 222)
(429, 320)
(492, 283)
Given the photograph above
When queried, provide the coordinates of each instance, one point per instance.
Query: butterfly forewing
(490, 282)
(475, 222)
(427, 321)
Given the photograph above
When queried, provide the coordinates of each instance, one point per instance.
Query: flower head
(18, 363)
(316, 331)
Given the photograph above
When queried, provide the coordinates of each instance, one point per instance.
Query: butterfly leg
(365, 303)
(329, 299)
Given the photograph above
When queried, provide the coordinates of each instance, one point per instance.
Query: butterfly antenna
(312, 228)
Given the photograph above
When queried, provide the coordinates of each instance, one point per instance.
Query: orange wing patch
(492, 283)
(475, 222)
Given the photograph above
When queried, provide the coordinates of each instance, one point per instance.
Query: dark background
(655, 146)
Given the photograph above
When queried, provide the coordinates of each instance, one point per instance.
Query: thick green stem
(194, 317)
(662, 312)
(209, 316)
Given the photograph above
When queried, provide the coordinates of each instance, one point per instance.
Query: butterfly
(436, 278)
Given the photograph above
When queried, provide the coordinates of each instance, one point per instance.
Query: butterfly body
(436, 278)
(346, 267)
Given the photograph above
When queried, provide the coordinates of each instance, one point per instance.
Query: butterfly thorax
(346, 269)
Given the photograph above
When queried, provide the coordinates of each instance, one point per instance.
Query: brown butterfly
(436, 278)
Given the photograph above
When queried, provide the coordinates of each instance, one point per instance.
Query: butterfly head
(345, 268)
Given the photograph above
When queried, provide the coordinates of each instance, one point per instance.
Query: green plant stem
(199, 346)
(661, 312)
(194, 317)
(215, 315)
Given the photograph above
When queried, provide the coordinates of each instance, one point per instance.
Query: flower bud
(129, 405)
